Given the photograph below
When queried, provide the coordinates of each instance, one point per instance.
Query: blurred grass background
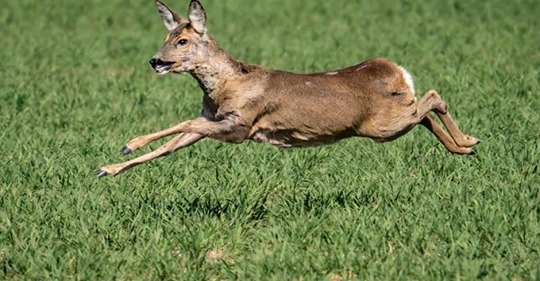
(75, 85)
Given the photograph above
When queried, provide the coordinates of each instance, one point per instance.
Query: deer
(374, 99)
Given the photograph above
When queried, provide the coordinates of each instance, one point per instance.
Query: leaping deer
(373, 99)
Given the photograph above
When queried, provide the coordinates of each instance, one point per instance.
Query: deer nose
(153, 62)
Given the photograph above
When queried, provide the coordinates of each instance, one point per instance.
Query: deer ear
(197, 16)
(171, 20)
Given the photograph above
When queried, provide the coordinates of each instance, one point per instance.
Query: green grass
(75, 86)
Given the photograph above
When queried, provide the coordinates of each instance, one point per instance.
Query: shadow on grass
(257, 208)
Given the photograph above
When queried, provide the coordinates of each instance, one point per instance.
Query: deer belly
(291, 138)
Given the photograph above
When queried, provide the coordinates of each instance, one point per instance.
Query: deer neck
(215, 71)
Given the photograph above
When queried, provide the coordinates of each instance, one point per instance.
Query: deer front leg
(176, 143)
(193, 130)
(141, 141)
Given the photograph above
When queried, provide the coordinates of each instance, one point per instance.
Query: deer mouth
(163, 68)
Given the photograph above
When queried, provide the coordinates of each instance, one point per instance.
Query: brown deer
(373, 99)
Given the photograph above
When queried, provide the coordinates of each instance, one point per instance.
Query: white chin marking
(162, 70)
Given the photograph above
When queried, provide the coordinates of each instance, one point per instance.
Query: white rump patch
(408, 78)
(332, 73)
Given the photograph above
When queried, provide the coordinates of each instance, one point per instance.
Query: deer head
(188, 41)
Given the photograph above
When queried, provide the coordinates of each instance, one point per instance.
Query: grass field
(75, 85)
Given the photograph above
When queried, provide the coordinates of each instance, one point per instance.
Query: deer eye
(182, 42)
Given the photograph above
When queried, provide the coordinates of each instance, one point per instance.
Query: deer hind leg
(461, 139)
(443, 137)
(455, 141)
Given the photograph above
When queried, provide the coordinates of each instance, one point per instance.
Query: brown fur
(373, 99)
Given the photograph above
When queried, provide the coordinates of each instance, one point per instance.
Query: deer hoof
(126, 150)
(101, 173)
